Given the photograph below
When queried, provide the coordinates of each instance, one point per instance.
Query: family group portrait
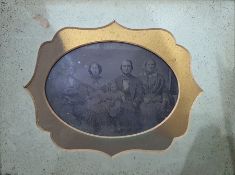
(111, 89)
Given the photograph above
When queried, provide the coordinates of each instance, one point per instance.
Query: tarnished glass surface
(111, 89)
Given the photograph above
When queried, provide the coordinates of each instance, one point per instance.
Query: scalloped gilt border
(158, 41)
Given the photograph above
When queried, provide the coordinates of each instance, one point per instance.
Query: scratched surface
(205, 28)
(93, 100)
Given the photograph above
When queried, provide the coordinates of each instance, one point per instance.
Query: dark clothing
(134, 92)
(129, 120)
(153, 83)
(152, 105)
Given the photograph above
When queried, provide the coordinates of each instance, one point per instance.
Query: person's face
(113, 87)
(150, 66)
(95, 70)
(126, 67)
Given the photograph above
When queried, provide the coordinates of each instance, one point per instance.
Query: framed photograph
(113, 89)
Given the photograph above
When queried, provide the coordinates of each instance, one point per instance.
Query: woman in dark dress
(154, 99)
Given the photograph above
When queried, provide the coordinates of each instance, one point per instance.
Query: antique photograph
(111, 89)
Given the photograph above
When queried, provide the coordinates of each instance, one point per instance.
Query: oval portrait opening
(111, 89)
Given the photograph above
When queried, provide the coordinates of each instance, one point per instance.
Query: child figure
(114, 99)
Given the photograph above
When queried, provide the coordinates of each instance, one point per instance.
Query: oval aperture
(111, 89)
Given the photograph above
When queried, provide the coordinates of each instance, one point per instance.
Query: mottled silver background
(205, 28)
(72, 70)
(110, 56)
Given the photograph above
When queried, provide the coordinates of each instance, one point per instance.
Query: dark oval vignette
(111, 89)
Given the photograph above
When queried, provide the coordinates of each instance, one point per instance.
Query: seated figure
(154, 96)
